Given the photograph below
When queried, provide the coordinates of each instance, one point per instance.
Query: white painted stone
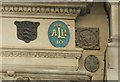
(41, 44)
(112, 51)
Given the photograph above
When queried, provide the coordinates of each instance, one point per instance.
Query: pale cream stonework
(63, 60)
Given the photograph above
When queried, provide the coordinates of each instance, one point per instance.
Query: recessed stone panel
(87, 38)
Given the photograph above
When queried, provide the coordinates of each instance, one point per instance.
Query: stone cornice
(114, 3)
(65, 10)
(37, 74)
(43, 53)
(48, 4)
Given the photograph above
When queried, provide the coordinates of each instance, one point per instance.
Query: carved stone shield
(26, 30)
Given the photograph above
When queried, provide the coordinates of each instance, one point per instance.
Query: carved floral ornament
(41, 8)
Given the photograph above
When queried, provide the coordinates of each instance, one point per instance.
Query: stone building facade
(51, 41)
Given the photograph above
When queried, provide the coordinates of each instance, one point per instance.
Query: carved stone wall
(94, 38)
(25, 52)
(21, 59)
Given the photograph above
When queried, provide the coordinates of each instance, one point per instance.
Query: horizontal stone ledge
(46, 9)
(50, 74)
(49, 4)
(42, 53)
(38, 16)
(36, 8)
(50, 71)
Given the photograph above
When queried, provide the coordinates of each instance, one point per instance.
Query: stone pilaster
(112, 50)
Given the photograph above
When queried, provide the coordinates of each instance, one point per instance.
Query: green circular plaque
(58, 34)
